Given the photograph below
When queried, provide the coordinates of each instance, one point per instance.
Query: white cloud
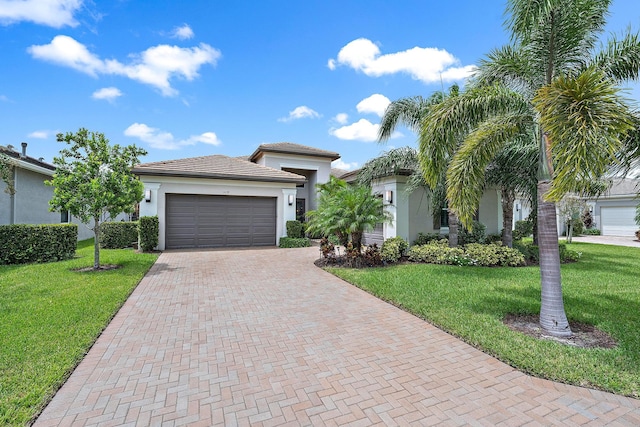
(40, 134)
(426, 64)
(343, 165)
(108, 93)
(341, 118)
(52, 13)
(362, 130)
(302, 112)
(183, 33)
(155, 66)
(376, 104)
(156, 138)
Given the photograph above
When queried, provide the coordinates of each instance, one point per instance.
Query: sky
(200, 77)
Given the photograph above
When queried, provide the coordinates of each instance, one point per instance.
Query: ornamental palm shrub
(346, 211)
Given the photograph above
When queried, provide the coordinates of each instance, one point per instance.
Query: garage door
(618, 221)
(198, 221)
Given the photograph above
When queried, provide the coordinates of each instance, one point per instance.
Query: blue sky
(200, 77)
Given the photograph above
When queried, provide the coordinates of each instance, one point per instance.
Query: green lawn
(50, 316)
(603, 289)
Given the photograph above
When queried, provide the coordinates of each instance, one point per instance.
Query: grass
(602, 289)
(49, 318)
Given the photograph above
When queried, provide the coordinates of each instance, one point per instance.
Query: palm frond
(620, 58)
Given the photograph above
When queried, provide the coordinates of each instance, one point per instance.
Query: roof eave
(155, 172)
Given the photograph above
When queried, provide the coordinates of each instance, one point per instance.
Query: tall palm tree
(549, 85)
(410, 112)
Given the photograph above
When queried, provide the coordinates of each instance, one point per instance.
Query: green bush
(438, 252)
(493, 238)
(118, 235)
(23, 243)
(476, 235)
(393, 249)
(424, 238)
(591, 232)
(149, 229)
(531, 252)
(294, 242)
(494, 255)
(522, 229)
(295, 229)
(578, 226)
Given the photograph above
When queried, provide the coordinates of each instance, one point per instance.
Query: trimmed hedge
(522, 229)
(591, 232)
(295, 229)
(424, 238)
(393, 248)
(294, 242)
(118, 235)
(472, 254)
(23, 243)
(149, 229)
(531, 252)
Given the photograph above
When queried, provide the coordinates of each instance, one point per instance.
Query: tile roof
(217, 166)
(291, 148)
(28, 159)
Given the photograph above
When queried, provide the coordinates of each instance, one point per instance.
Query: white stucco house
(30, 203)
(221, 201)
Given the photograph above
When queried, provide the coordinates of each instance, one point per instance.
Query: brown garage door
(197, 221)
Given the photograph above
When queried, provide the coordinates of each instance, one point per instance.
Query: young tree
(93, 180)
(6, 174)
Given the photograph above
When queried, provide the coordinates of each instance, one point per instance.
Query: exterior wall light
(388, 196)
(147, 196)
(290, 199)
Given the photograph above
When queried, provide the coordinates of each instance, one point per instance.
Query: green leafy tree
(346, 211)
(93, 180)
(6, 174)
(551, 86)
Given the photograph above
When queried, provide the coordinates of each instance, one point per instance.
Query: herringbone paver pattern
(262, 337)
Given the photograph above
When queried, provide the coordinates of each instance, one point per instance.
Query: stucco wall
(490, 212)
(32, 199)
(161, 186)
(5, 204)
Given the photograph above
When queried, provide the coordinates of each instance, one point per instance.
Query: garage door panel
(618, 220)
(199, 221)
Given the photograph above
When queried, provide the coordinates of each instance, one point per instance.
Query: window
(64, 217)
(444, 217)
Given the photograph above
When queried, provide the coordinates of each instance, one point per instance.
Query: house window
(444, 217)
(300, 210)
(64, 216)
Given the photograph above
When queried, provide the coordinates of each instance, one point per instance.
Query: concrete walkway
(263, 337)
(608, 240)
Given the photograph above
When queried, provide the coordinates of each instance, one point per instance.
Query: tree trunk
(96, 243)
(552, 315)
(570, 231)
(356, 240)
(453, 229)
(508, 197)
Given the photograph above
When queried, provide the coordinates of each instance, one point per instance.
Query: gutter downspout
(12, 199)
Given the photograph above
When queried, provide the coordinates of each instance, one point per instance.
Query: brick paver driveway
(262, 337)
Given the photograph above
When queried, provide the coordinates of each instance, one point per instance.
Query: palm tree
(410, 112)
(346, 211)
(550, 86)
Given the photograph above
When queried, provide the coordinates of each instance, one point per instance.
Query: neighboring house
(30, 203)
(614, 211)
(221, 201)
(411, 213)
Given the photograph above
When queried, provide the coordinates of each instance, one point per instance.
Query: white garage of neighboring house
(614, 212)
(219, 201)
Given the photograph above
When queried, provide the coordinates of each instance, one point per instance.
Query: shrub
(393, 248)
(327, 248)
(118, 235)
(294, 242)
(149, 229)
(295, 229)
(475, 235)
(372, 256)
(23, 243)
(438, 252)
(531, 252)
(494, 255)
(522, 229)
(587, 218)
(493, 238)
(335, 240)
(424, 238)
(591, 232)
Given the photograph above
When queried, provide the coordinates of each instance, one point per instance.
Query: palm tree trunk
(552, 315)
(508, 196)
(453, 229)
(356, 240)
